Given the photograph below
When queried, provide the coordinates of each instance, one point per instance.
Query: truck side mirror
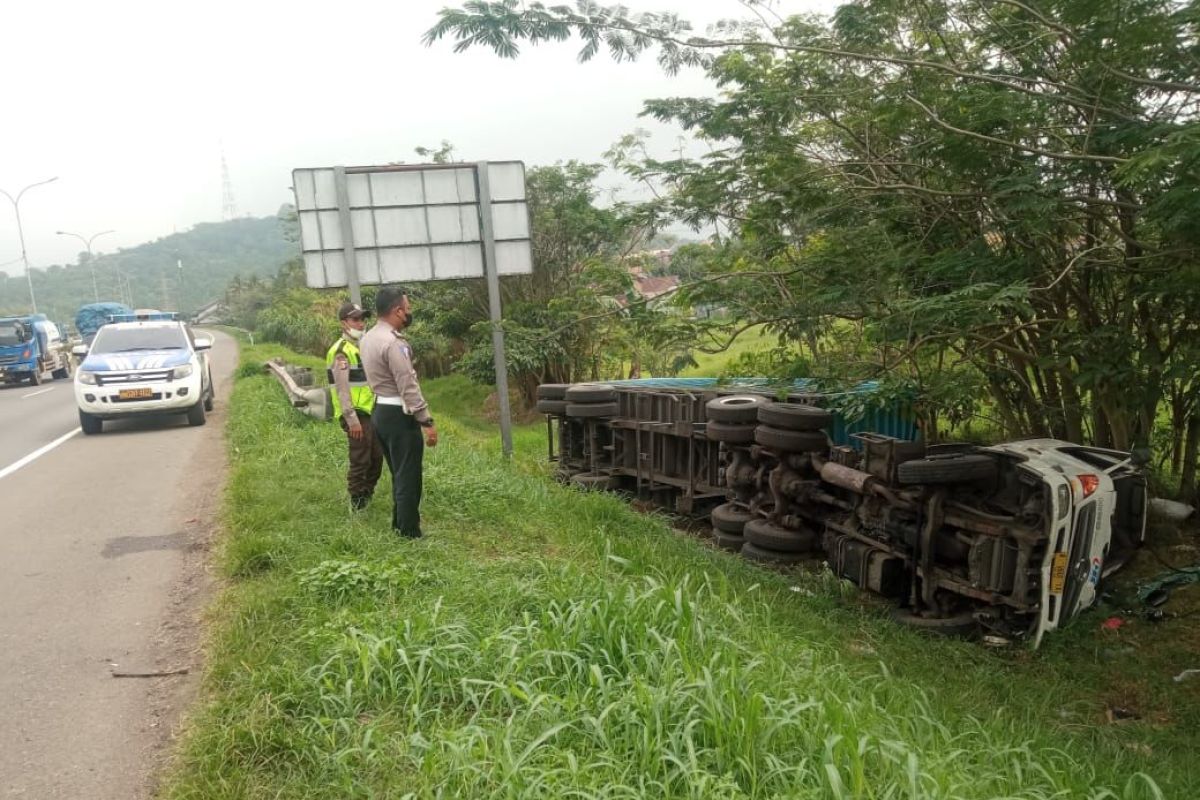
(79, 350)
(203, 343)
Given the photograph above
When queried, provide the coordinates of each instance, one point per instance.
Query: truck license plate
(133, 394)
(1058, 573)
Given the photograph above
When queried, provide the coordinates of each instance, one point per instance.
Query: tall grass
(546, 643)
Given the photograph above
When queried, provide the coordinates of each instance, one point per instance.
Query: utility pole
(166, 301)
(16, 204)
(91, 258)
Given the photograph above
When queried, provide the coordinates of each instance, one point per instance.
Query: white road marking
(39, 391)
(36, 454)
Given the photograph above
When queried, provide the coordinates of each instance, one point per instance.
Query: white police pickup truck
(143, 365)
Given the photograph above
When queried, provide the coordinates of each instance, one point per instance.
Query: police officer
(353, 404)
(402, 420)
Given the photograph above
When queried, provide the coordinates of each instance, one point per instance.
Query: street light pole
(16, 204)
(91, 260)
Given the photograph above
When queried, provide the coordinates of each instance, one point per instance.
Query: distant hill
(211, 253)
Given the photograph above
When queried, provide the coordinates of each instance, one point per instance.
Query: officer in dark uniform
(402, 420)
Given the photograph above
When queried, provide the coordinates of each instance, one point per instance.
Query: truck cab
(31, 346)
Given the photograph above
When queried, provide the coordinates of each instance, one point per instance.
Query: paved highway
(102, 556)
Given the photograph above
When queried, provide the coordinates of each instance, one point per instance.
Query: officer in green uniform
(353, 403)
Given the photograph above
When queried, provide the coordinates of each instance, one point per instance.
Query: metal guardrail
(297, 383)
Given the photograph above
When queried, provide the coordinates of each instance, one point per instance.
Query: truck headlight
(181, 372)
(83, 376)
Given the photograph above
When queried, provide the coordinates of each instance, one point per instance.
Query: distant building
(651, 288)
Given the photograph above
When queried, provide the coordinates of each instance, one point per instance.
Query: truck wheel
(90, 424)
(769, 536)
(208, 401)
(581, 393)
(755, 553)
(593, 482)
(61, 372)
(730, 432)
(195, 414)
(727, 518)
(950, 468)
(957, 625)
(735, 408)
(794, 417)
(591, 409)
(728, 541)
(791, 441)
(552, 391)
(35, 377)
(554, 407)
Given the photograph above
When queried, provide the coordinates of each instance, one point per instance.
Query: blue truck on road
(31, 346)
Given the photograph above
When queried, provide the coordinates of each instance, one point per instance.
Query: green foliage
(997, 196)
(338, 580)
(147, 276)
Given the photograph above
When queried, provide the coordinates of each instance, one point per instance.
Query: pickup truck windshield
(11, 334)
(128, 340)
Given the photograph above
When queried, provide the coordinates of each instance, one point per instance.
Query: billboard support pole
(351, 261)
(488, 236)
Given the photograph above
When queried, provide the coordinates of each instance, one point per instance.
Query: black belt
(357, 375)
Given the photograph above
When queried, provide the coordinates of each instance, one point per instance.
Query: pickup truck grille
(116, 378)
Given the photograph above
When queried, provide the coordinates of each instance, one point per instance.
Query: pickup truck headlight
(181, 372)
(86, 377)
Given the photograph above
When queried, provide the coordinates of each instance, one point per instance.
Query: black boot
(359, 502)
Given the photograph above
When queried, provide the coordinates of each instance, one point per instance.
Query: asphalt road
(102, 570)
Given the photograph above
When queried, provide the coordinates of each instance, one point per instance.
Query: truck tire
(961, 625)
(591, 393)
(195, 415)
(208, 401)
(90, 424)
(791, 441)
(62, 372)
(944, 469)
(552, 391)
(592, 482)
(728, 541)
(591, 409)
(735, 408)
(731, 432)
(794, 417)
(35, 377)
(769, 536)
(728, 518)
(557, 407)
(755, 553)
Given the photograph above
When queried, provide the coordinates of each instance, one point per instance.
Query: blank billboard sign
(411, 223)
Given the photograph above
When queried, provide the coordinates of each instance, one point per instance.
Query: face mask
(354, 333)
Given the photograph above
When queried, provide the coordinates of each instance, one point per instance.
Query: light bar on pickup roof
(152, 316)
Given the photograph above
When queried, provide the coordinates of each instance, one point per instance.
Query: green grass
(711, 365)
(546, 643)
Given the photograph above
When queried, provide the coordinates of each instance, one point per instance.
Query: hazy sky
(128, 103)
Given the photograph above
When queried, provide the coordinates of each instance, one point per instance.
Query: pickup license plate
(1058, 573)
(134, 394)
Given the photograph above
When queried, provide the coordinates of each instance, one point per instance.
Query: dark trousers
(404, 448)
(366, 458)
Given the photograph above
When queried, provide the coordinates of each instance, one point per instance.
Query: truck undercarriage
(1010, 540)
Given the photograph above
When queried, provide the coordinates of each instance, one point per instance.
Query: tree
(999, 192)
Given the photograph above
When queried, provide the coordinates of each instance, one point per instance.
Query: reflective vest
(360, 391)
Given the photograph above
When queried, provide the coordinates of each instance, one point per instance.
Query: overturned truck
(1010, 540)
